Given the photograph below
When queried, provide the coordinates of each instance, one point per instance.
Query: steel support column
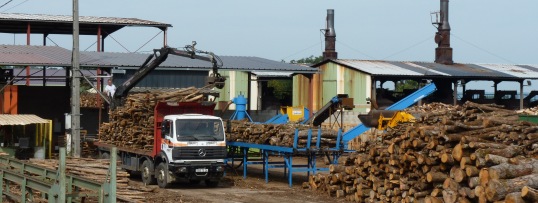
(310, 95)
(455, 92)
(99, 80)
(165, 40)
(28, 43)
(520, 95)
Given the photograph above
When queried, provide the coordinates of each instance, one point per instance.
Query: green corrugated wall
(329, 80)
(241, 83)
(355, 83)
(236, 82)
(300, 90)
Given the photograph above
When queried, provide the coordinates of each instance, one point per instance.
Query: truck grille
(199, 152)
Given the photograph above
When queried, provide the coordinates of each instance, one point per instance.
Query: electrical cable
(403, 50)
(484, 50)
(15, 6)
(6, 3)
(349, 47)
(301, 51)
(321, 40)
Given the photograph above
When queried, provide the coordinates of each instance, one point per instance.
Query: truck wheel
(162, 175)
(211, 183)
(147, 175)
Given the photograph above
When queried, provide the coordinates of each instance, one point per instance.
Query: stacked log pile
(278, 135)
(96, 170)
(89, 100)
(529, 111)
(132, 124)
(469, 153)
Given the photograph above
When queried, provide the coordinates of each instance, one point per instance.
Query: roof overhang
(63, 24)
(20, 119)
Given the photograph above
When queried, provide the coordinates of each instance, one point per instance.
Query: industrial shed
(359, 78)
(246, 75)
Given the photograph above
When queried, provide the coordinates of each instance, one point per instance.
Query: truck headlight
(220, 168)
(182, 169)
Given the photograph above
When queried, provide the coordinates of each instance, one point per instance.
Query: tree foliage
(406, 84)
(84, 85)
(281, 88)
(308, 60)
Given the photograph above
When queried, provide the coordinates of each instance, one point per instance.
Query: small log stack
(469, 153)
(96, 170)
(278, 135)
(529, 111)
(132, 124)
(89, 100)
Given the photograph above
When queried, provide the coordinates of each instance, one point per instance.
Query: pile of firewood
(89, 100)
(97, 170)
(469, 153)
(132, 124)
(529, 111)
(93, 169)
(278, 135)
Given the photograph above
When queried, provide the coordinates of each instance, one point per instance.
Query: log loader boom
(158, 57)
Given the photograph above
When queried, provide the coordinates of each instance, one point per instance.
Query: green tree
(406, 84)
(84, 85)
(281, 88)
(308, 60)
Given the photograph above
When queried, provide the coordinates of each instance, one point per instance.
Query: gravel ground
(233, 188)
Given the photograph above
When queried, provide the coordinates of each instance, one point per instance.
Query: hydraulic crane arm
(158, 57)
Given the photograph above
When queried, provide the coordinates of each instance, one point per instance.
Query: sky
(483, 31)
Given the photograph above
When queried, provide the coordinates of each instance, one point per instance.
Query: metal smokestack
(330, 37)
(443, 52)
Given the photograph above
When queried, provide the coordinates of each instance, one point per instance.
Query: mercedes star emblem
(201, 152)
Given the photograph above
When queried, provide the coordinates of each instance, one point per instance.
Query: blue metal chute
(278, 119)
(400, 105)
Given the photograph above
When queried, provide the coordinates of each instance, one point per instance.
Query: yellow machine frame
(398, 117)
(295, 113)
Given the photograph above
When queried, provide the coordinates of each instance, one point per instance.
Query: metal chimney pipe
(443, 52)
(330, 23)
(444, 15)
(330, 37)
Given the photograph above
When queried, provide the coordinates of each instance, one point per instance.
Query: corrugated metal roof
(22, 55)
(20, 119)
(111, 59)
(34, 55)
(241, 63)
(395, 68)
(82, 19)
(520, 71)
(272, 74)
(261, 64)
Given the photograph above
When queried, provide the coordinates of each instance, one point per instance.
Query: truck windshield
(199, 130)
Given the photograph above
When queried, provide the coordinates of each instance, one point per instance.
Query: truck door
(167, 132)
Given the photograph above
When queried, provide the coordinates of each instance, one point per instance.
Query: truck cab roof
(191, 116)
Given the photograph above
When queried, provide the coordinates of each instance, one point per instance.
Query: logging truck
(188, 141)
